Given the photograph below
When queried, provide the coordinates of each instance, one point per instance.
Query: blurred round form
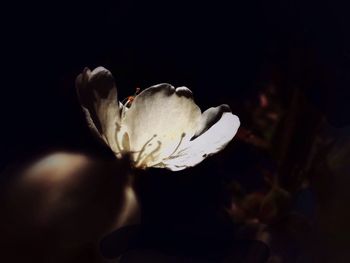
(65, 202)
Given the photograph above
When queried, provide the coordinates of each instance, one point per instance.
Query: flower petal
(216, 129)
(159, 120)
(98, 97)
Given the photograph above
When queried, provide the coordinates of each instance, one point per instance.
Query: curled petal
(160, 119)
(98, 97)
(216, 129)
(210, 117)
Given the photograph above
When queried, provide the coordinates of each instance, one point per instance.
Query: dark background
(217, 49)
(224, 52)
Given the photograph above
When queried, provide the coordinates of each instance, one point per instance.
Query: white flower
(162, 128)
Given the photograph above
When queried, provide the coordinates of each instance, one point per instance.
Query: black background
(217, 49)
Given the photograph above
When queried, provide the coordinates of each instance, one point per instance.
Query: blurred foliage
(300, 205)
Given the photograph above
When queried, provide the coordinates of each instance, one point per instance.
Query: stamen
(124, 100)
(172, 156)
(179, 153)
(150, 155)
(128, 100)
(143, 149)
(123, 111)
(177, 147)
